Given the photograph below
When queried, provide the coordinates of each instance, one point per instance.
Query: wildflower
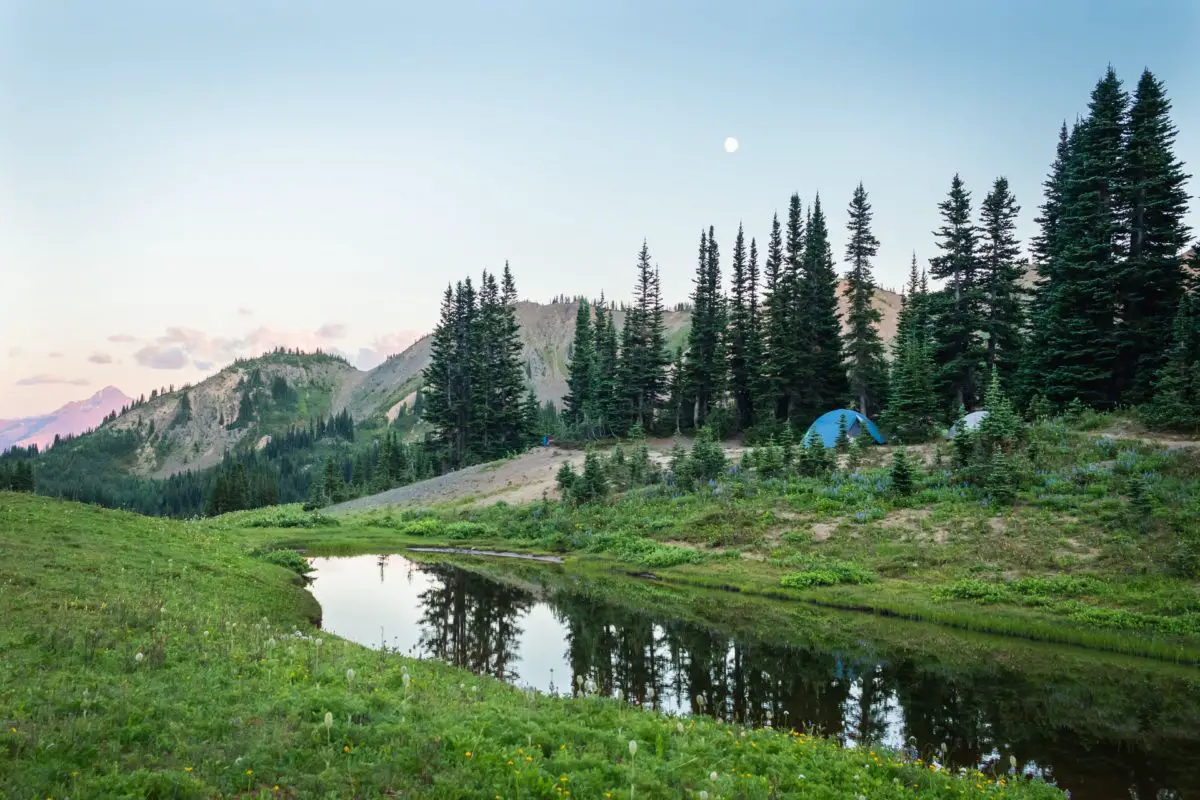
(563, 779)
(632, 747)
(139, 658)
(712, 776)
(316, 643)
(187, 769)
(249, 772)
(800, 777)
(467, 754)
(328, 720)
(346, 748)
(271, 643)
(679, 727)
(703, 795)
(350, 675)
(406, 679)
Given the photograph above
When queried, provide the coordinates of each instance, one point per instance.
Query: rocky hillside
(71, 420)
(191, 428)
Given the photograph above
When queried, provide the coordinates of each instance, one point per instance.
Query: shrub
(819, 570)
(288, 559)
(972, 589)
(460, 531)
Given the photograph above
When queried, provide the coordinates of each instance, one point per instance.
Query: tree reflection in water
(1103, 740)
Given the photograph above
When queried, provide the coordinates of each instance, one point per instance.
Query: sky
(182, 183)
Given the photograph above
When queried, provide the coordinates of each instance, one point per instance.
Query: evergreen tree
(510, 390)
(754, 339)
(607, 390)
(957, 308)
(741, 333)
(1176, 402)
(581, 368)
(1033, 364)
(643, 352)
(776, 310)
(1153, 276)
(1001, 269)
(825, 385)
(705, 364)
(901, 472)
(445, 380)
(913, 401)
(1077, 316)
(796, 328)
(863, 347)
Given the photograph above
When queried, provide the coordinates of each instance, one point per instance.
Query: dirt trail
(517, 480)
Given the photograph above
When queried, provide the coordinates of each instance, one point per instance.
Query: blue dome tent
(826, 426)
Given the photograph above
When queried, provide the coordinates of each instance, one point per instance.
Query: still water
(1105, 734)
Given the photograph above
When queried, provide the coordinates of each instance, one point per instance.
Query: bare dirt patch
(821, 531)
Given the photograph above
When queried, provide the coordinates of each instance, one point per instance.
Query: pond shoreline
(469, 551)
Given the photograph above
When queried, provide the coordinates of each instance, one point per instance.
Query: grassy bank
(150, 658)
(1101, 547)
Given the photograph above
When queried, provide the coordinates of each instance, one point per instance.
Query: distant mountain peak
(71, 419)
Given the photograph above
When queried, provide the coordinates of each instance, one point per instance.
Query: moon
(731, 144)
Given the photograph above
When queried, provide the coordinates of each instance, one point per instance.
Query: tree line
(1104, 314)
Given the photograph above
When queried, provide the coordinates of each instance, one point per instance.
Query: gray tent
(970, 422)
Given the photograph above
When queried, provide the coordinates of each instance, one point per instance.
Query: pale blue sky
(280, 171)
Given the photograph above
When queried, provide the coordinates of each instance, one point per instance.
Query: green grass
(151, 658)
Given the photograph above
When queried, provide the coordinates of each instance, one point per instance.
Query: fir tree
(510, 389)
(841, 444)
(705, 364)
(754, 340)
(912, 402)
(742, 368)
(823, 370)
(901, 473)
(863, 347)
(581, 369)
(957, 308)
(796, 329)
(1077, 314)
(774, 329)
(643, 351)
(1001, 269)
(1176, 402)
(1157, 204)
(1033, 363)
(607, 391)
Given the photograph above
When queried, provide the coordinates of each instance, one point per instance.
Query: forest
(1104, 315)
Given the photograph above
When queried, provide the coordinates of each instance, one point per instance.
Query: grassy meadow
(151, 658)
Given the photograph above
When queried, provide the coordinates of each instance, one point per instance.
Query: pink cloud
(377, 352)
(42, 379)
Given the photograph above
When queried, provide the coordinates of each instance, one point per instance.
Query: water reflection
(1103, 737)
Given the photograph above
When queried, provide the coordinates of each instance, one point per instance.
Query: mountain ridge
(70, 419)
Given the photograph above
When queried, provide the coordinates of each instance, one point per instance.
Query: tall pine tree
(823, 368)
(580, 368)
(741, 332)
(1078, 309)
(776, 312)
(864, 349)
(705, 363)
(643, 357)
(1001, 269)
(1157, 203)
(958, 308)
